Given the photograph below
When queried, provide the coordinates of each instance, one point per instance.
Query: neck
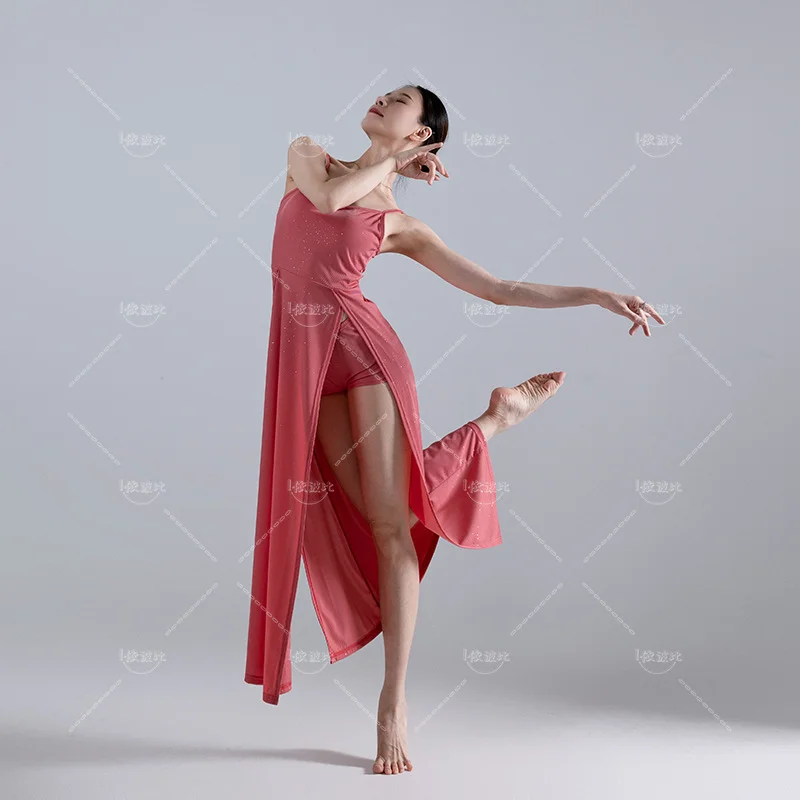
(375, 153)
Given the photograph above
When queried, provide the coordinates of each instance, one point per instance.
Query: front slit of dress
(450, 464)
(318, 261)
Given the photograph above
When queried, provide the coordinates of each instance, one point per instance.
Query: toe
(378, 765)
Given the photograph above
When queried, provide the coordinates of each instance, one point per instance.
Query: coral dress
(318, 261)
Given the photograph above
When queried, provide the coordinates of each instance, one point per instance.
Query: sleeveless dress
(318, 261)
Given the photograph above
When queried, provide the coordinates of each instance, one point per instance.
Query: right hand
(420, 164)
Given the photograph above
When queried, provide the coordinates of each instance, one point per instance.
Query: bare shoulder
(407, 235)
(302, 148)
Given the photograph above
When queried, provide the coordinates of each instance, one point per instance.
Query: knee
(390, 533)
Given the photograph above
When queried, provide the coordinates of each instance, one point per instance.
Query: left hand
(631, 306)
(419, 163)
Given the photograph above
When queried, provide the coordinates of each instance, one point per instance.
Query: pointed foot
(509, 406)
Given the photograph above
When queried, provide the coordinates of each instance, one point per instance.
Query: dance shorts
(352, 363)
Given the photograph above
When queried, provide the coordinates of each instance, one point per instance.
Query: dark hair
(434, 116)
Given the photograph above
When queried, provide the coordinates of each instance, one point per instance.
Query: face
(397, 120)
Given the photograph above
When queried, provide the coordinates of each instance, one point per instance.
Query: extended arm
(419, 242)
(307, 170)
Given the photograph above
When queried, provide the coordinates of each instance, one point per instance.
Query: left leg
(384, 460)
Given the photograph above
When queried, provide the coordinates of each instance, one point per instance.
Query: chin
(371, 121)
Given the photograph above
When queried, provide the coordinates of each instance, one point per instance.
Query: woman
(344, 481)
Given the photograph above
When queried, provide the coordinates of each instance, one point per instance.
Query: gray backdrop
(649, 566)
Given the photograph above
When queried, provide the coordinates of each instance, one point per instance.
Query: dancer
(344, 481)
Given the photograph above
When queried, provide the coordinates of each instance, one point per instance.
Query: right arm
(307, 170)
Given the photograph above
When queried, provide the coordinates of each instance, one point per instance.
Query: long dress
(318, 261)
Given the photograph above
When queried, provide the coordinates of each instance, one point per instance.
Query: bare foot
(508, 407)
(392, 755)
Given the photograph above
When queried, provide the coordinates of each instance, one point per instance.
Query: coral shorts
(352, 363)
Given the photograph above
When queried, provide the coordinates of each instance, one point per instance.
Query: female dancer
(341, 409)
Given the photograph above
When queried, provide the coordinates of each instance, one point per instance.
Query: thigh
(384, 456)
(336, 438)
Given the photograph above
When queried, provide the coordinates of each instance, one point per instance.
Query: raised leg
(507, 407)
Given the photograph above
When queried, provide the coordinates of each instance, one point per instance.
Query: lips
(375, 111)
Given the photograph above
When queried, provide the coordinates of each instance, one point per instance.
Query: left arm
(419, 242)
(416, 240)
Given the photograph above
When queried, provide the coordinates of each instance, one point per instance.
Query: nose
(380, 101)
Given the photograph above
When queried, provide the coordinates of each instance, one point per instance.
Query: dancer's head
(408, 117)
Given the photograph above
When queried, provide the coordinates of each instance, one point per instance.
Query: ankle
(489, 425)
(392, 697)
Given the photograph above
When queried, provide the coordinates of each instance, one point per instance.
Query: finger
(641, 313)
(425, 170)
(424, 148)
(431, 169)
(439, 165)
(630, 314)
(638, 317)
(436, 159)
(645, 325)
(634, 317)
(653, 313)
